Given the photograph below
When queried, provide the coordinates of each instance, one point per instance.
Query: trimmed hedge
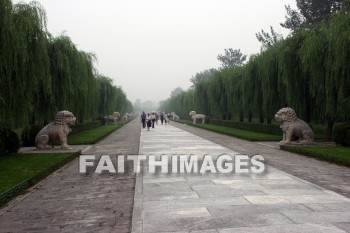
(322, 154)
(9, 141)
(249, 126)
(29, 133)
(341, 134)
(85, 126)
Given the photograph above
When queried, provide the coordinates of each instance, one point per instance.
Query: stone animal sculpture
(58, 129)
(196, 116)
(292, 125)
(126, 116)
(112, 118)
(175, 117)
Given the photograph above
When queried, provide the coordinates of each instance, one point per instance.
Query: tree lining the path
(41, 74)
(308, 71)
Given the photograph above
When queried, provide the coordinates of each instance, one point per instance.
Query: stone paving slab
(273, 201)
(325, 174)
(67, 201)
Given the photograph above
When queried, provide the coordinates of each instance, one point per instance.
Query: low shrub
(249, 126)
(9, 141)
(29, 133)
(341, 134)
(85, 126)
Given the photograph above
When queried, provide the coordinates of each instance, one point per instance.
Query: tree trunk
(241, 118)
(269, 120)
(330, 129)
(261, 119)
(250, 116)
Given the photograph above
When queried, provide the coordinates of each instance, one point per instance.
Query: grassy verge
(19, 171)
(242, 134)
(338, 155)
(94, 135)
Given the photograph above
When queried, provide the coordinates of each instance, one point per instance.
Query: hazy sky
(150, 47)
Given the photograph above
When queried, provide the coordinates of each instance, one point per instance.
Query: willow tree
(201, 97)
(233, 79)
(271, 84)
(252, 91)
(296, 82)
(314, 54)
(106, 96)
(24, 61)
(84, 85)
(337, 81)
(7, 55)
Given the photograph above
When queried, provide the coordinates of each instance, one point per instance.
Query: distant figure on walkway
(161, 117)
(143, 119)
(153, 118)
(166, 118)
(149, 121)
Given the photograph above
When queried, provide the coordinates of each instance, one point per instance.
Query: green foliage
(85, 126)
(338, 155)
(41, 74)
(342, 134)
(254, 127)
(94, 135)
(307, 71)
(19, 171)
(232, 58)
(29, 133)
(9, 141)
(238, 133)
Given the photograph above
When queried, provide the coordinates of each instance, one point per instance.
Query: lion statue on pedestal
(292, 125)
(175, 117)
(58, 129)
(196, 116)
(112, 118)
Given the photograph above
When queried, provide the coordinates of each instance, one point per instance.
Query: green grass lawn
(92, 136)
(17, 168)
(238, 133)
(336, 154)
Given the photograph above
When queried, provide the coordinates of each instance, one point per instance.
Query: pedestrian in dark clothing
(143, 119)
(162, 117)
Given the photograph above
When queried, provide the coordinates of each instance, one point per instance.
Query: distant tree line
(308, 71)
(41, 74)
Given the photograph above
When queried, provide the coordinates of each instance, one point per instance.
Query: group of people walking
(150, 119)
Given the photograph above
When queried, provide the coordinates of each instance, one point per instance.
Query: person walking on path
(143, 119)
(161, 117)
(153, 118)
(166, 118)
(149, 121)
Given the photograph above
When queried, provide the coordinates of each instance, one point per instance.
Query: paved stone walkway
(274, 201)
(67, 201)
(325, 174)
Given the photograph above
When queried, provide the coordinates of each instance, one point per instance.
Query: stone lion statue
(175, 117)
(58, 129)
(196, 116)
(112, 118)
(292, 125)
(126, 116)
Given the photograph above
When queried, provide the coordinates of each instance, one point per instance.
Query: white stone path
(270, 202)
